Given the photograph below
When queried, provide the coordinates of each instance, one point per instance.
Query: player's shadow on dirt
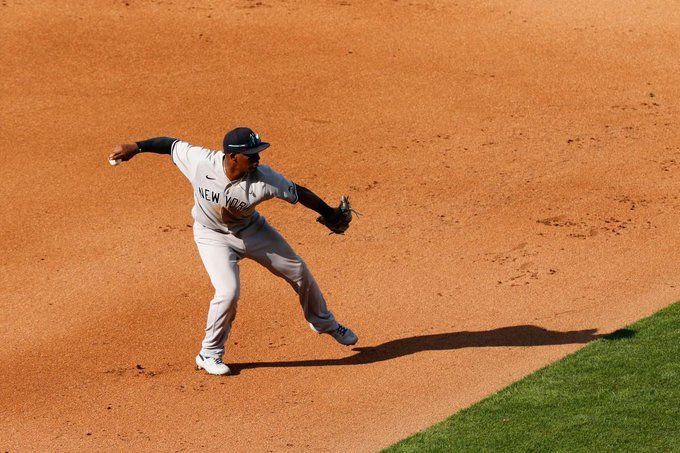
(504, 336)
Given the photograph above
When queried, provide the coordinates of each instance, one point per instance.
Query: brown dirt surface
(517, 165)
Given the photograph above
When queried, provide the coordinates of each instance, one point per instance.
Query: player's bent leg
(272, 251)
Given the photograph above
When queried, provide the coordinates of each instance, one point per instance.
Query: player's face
(246, 163)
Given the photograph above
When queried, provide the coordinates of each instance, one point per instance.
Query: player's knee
(229, 296)
(300, 278)
(299, 270)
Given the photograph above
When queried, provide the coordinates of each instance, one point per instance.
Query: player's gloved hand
(342, 216)
(124, 152)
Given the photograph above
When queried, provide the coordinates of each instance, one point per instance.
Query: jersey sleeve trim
(172, 152)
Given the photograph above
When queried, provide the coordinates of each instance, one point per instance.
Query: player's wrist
(327, 211)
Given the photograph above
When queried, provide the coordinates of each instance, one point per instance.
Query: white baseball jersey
(221, 204)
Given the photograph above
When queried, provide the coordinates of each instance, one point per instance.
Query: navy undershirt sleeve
(158, 145)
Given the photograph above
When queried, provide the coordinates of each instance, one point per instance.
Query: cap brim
(259, 148)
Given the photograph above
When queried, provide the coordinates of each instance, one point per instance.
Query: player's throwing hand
(124, 152)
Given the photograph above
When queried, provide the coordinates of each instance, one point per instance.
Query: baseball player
(228, 185)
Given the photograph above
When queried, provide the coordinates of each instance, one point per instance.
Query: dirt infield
(517, 165)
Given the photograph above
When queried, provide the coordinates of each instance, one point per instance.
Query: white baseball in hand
(115, 162)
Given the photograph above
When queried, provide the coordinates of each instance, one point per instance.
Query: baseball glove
(339, 224)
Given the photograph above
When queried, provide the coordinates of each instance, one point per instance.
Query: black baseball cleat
(342, 335)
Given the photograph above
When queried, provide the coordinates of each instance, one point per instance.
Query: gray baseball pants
(221, 254)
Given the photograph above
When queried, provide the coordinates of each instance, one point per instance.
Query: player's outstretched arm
(312, 201)
(158, 145)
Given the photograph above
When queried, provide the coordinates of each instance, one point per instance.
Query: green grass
(619, 393)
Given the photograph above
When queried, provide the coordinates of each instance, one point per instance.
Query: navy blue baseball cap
(243, 140)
